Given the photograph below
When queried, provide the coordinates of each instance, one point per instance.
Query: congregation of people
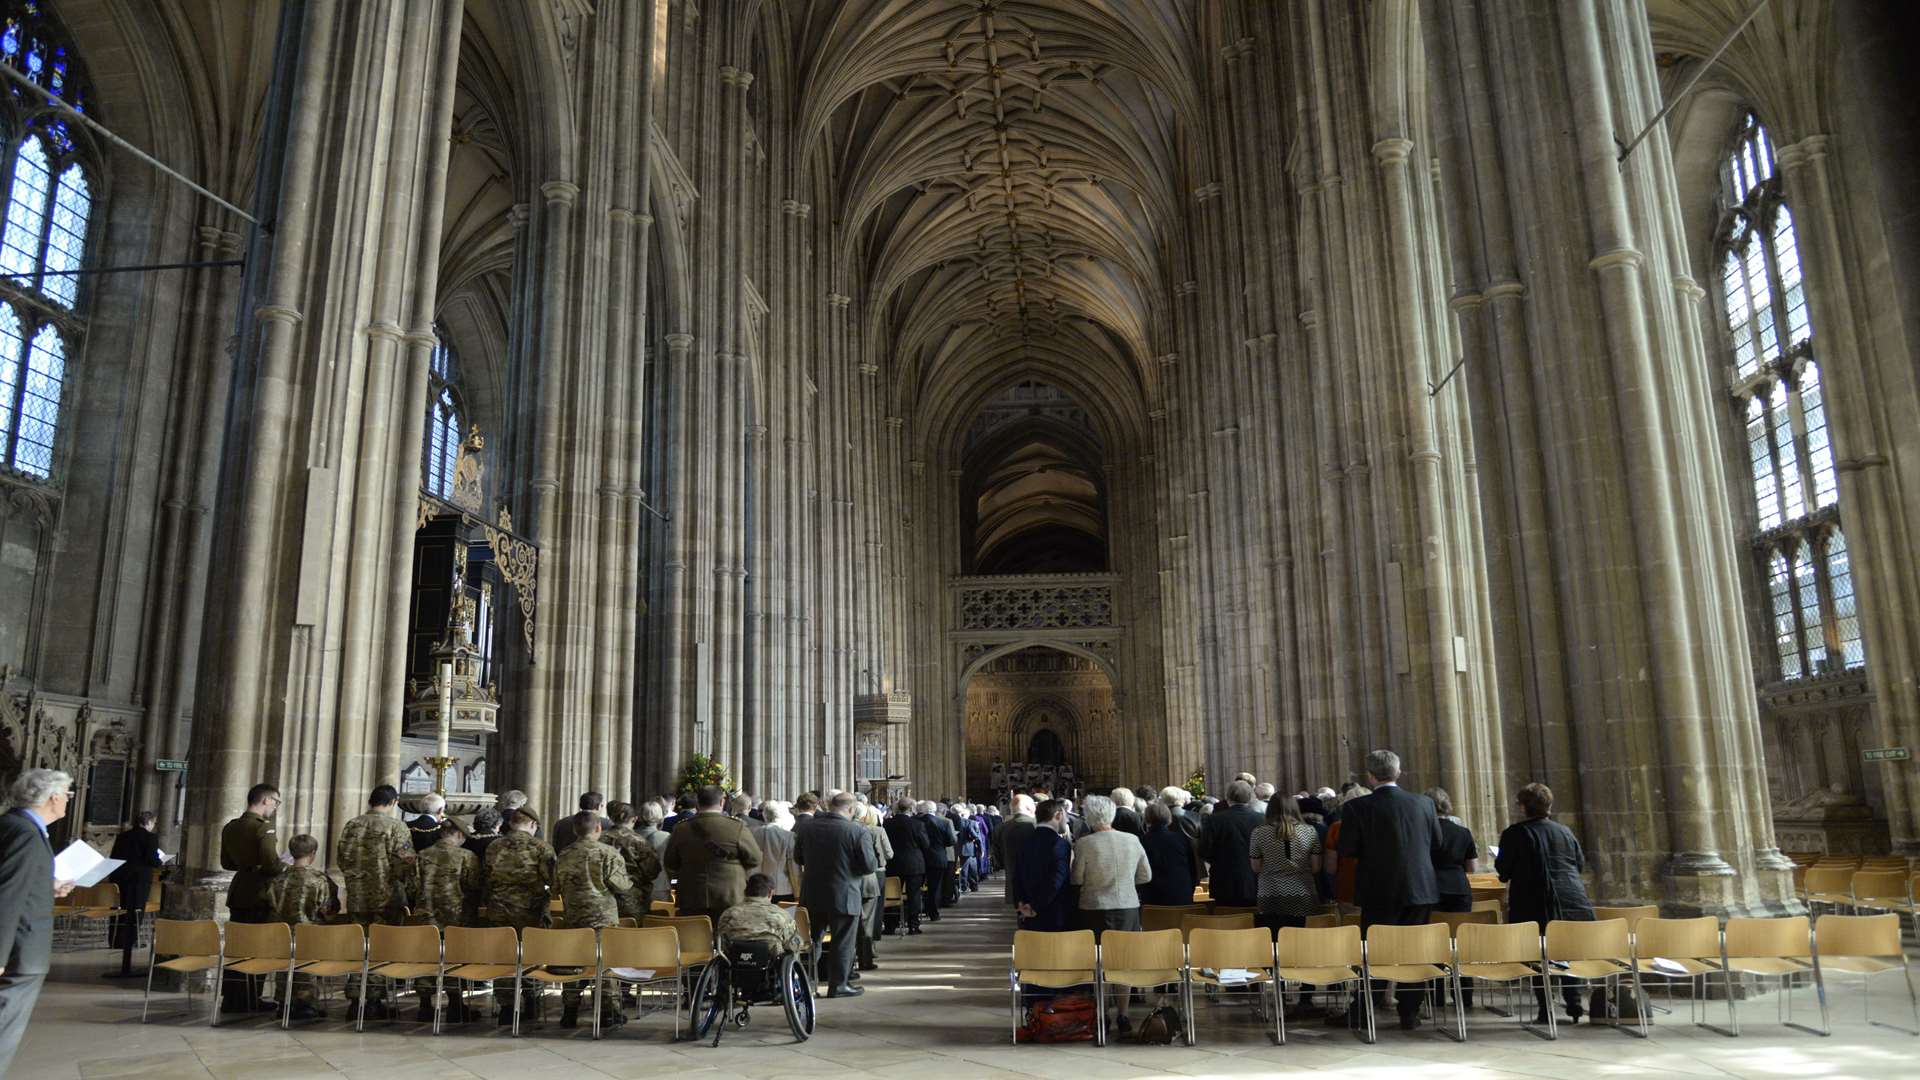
(1395, 855)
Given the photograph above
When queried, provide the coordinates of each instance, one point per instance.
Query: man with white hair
(425, 828)
(1010, 839)
(1394, 835)
(1262, 792)
(1184, 818)
(774, 834)
(27, 890)
(941, 838)
(1125, 818)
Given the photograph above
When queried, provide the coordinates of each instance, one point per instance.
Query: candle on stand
(446, 720)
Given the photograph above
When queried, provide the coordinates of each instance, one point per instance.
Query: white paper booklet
(82, 865)
(636, 974)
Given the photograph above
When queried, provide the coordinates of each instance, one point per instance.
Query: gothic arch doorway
(1036, 712)
(1045, 748)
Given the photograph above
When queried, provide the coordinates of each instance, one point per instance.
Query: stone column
(1597, 395)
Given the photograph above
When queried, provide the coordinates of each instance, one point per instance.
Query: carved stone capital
(1392, 151)
(560, 192)
(679, 343)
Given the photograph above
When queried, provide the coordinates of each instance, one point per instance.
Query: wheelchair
(749, 973)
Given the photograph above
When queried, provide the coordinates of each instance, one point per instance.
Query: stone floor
(936, 1009)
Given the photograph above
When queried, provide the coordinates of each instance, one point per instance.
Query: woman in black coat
(1540, 860)
(138, 848)
(1175, 864)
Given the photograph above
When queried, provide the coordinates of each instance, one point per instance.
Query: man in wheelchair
(761, 962)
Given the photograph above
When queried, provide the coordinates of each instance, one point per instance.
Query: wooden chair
(662, 908)
(1830, 885)
(643, 958)
(1632, 914)
(696, 936)
(1331, 956)
(1212, 950)
(803, 925)
(401, 954)
(1456, 919)
(327, 951)
(1167, 916)
(1593, 951)
(895, 900)
(252, 949)
(1504, 953)
(555, 958)
(474, 954)
(1055, 960)
(85, 910)
(1227, 909)
(1415, 955)
(1142, 960)
(1863, 945)
(1190, 923)
(190, 948)
(1883, 890)
(1688, 949)
(1779, 948)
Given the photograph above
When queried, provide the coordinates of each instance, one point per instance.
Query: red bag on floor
(1068, 1018)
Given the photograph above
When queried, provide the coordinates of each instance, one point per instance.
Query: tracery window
(445, 425)
(49, 201)
(1778, 404)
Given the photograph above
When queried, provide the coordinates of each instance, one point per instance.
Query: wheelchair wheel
(705, 1008)
(796, 993)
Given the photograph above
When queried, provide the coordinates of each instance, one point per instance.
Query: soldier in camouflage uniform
(446, 890)
(373, 854)
(643, 862)
(302, 894)
(758, 918)
(519, 871)
(589, 876)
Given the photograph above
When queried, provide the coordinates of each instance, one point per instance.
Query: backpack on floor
(1068, 1018)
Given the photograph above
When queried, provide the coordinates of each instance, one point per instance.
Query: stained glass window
(1781, 414)
(39, 408)
(66, 237)
(10, 347)
(445, 431)
(26, 212)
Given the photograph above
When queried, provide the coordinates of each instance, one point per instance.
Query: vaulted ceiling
(1007, 179)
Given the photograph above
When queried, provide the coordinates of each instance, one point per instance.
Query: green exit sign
(1887, 753)
(170, 765)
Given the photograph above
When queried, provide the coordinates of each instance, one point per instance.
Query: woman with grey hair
(1107, 866)
(647, 824)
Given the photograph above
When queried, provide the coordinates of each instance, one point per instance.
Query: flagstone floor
(936, 1009)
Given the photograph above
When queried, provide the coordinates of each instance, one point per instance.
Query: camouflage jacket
(446, 885)
(303, 894)
(519, 872)
(643, 866)
(758, 917)
(588, 877)
(372, 855)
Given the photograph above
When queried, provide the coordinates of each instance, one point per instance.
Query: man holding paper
(27, 889)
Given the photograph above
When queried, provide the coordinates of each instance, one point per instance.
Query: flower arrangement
(700, 771)
(1197, 783)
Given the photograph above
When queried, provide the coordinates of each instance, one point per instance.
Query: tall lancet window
(1781, 414)
(445, 424)
(49, 200)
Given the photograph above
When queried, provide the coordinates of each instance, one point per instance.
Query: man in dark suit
(1395, 835)
(833, 854)
(1126, 819)
(709, 855)
(563, 834)
(940, 841)
(27, 890)
(1224, 838)
(1010, 839)
(908, 835)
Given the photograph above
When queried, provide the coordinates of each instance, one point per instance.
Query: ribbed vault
(1004, 173)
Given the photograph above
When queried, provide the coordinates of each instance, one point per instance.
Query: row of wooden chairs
(1861, 888)
(661, 955)
(1608, 953)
